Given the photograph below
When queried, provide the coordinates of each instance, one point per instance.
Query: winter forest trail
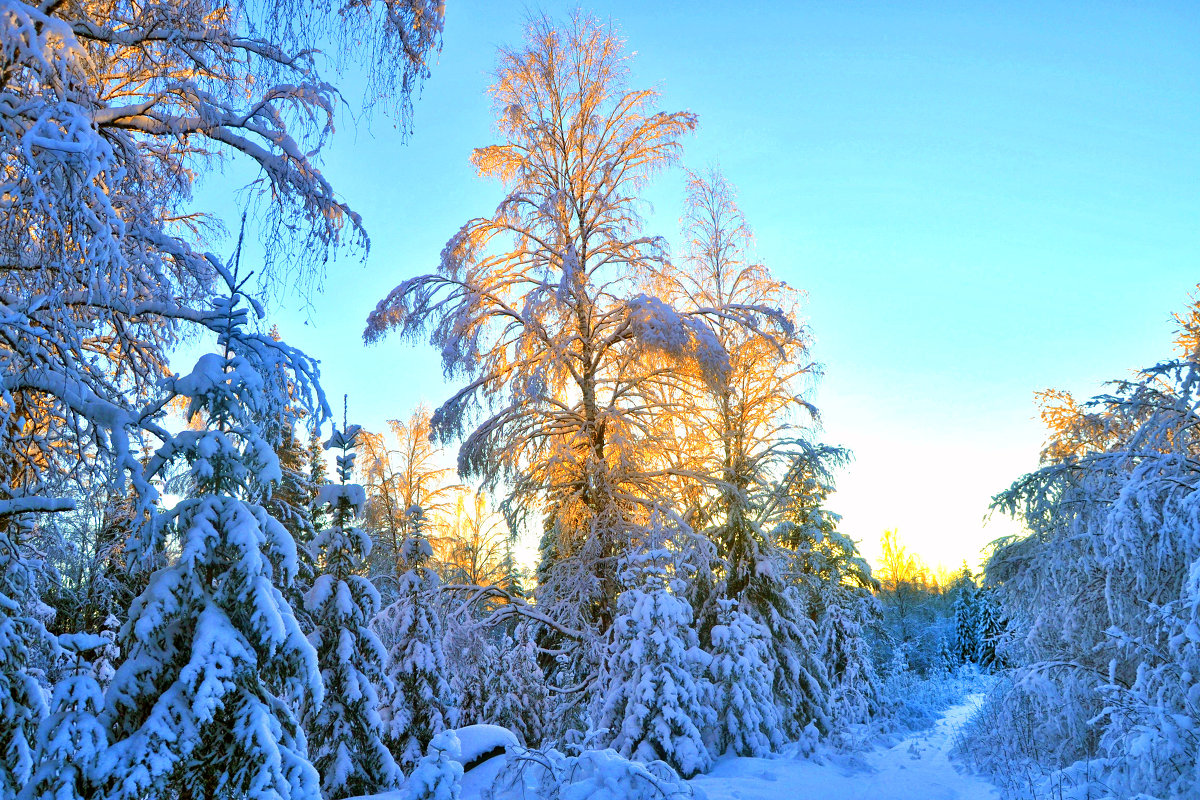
(919, 768)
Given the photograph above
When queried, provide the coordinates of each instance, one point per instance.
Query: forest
(215, 582)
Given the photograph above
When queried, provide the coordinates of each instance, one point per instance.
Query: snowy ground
(918, 767)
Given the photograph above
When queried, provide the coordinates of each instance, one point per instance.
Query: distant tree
(966, 624)
(474, 546)
(399, 479)
(419, 702)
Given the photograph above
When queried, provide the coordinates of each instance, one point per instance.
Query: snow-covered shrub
(590, 775)
(1021, 738)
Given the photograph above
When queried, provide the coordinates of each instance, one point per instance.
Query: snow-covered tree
(108, 654)
(1102, 595)
(345, 730)
(517, 696)
(22, 633)
(204, 702)
(71, 740)
(988, 628)
(540, 309)
(651, 704)
(114, 110)
(475, 667)
(854, 691)
(401, 471)
(966, 624)
(438, 774)
(742, 670)
(419, 702)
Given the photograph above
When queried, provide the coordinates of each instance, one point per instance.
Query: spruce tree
(420, 702)
(854, 692)
(742, 668)
(518, 695)
(203, 705)
(987, 631)
(966, 624)
(22, 704)
(71, 740)
(345, 731)
(650, 705)
(474, 662)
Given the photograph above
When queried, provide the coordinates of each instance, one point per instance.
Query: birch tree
(538, 306)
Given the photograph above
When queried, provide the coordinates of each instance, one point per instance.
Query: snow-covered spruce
(965, 646)
(418, 702)
(22, 703)
(742, 668)
(517, 697)
(203, 705)
(854, 692)
(474, 664)
(650, 705)
(71, 740)
(345, 731)
(438, 774)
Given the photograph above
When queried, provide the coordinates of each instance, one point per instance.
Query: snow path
(919, 767)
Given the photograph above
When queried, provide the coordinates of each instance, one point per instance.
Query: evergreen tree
(71, 740)
(345, 730)
(419, 702)
(987, 632)
(518, 695)
(742, 670)
(966, 624)
(108, 655)
(438, 774)
(650, 705)
(22, 704)
(202, 706)
(474, 665)
(318, 474)
(854, 692)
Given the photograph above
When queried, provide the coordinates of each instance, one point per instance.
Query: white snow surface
(919, 768)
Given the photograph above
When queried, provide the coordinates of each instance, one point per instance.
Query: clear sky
(980, 200)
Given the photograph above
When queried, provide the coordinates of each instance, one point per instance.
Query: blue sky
(981, 200)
